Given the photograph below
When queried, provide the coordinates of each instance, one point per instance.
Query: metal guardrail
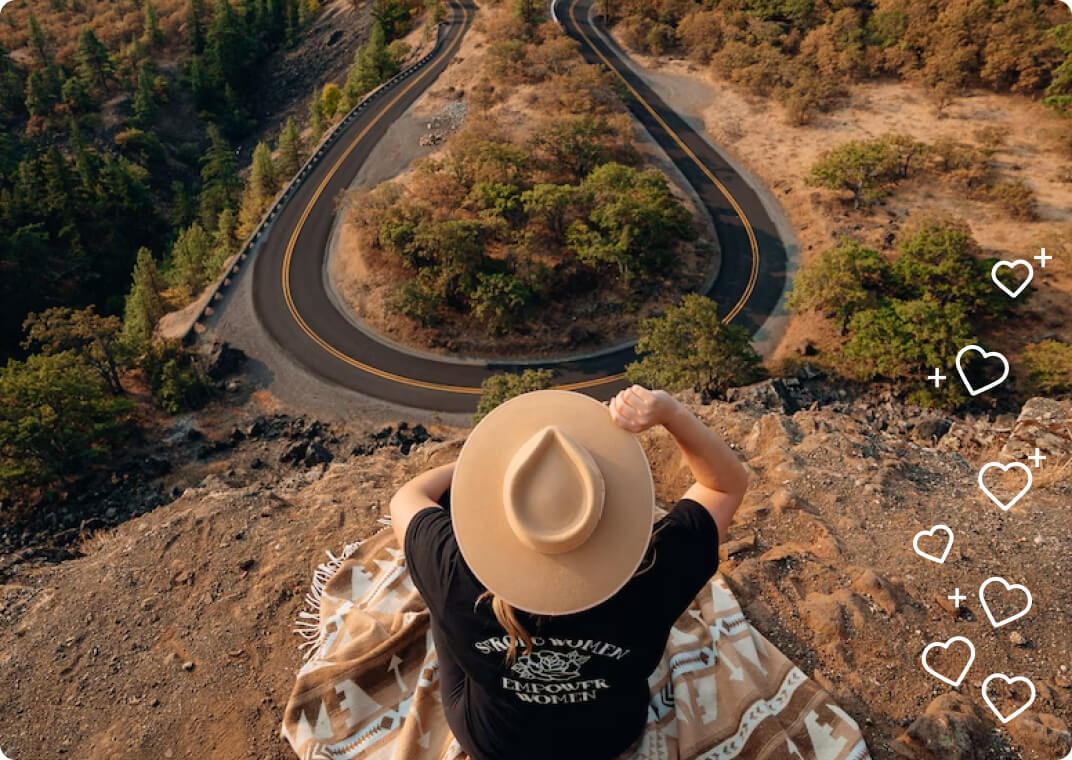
(282, 198)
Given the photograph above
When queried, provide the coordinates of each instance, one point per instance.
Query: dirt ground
(172, 637)
(363, 278)
(752, 131)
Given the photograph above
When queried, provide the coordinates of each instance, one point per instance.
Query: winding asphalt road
(288, 287)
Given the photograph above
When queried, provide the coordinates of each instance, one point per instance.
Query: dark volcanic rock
(404, 439)
(222, 359)
(317, 453)
(931, 429)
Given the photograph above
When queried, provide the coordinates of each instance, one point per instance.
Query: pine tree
(219, 178)
(38, 43)
(200, 85)
(42, 91)
(392, 15)
(75, 97)
(151, 33)
(277, 14)
(195, 22)
(250, 212)
(223, 242)
(12, 89)
(230, 54)
(222, 42)
(92, 61)
(183, 209)
(234, 112)
(373, 65)
(85, 162)
(290, 152)
(144, 307)
(262, 173)
(144, 106)
(316, 117)
(258, 192)
(293, 23)
(190, 260)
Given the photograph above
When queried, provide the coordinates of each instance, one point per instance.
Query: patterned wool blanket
(369, 687)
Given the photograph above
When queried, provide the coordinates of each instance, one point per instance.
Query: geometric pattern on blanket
(369, 686)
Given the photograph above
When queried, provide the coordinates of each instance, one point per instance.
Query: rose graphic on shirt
(547, 665)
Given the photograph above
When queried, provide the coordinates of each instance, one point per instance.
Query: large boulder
(951, 728)
(222, 359)
(768, 394)
(1042, 733)
(1045, 423)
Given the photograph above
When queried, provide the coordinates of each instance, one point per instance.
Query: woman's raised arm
(425, 490)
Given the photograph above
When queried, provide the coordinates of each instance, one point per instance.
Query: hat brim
(552, 584)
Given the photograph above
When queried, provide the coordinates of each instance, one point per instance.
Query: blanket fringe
(308, 621)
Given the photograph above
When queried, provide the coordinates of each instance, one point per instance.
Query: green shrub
(57, 417)
(1049, 367)
(690, 347)
(177, 383)
(660, 38)
(701, 34)
(500, 299)
(902, 340)
(844, 280)
(940, 260)
(418, 299)
(330, 98)
(499, 388)
(1016, 198)
(634, 222)
(866, 168)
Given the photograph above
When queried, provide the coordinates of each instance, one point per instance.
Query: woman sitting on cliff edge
(550, 591)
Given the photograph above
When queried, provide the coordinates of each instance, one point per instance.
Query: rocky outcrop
(1044, 423)
(237, 512)
(951, 728)
(220, 359)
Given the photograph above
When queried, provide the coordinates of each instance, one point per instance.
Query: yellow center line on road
(305, 215)
(469, 389)
(449, 51)
(695, 159)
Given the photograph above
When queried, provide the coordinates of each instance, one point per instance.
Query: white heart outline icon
(945, 645)
(1010, 682)
(1010, 264)
(986, 355)
(930, 533)
(1005, 468)
(1008, 587)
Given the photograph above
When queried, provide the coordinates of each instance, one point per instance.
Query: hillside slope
(171, 637)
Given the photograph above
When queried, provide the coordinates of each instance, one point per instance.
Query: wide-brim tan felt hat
(552, 502)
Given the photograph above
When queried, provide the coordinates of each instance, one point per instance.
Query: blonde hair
(507, 615)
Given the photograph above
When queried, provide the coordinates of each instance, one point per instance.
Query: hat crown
(553, 492)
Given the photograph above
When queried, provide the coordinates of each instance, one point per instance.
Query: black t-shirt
(583, 692)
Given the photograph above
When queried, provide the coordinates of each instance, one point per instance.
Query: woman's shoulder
(686, 515)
